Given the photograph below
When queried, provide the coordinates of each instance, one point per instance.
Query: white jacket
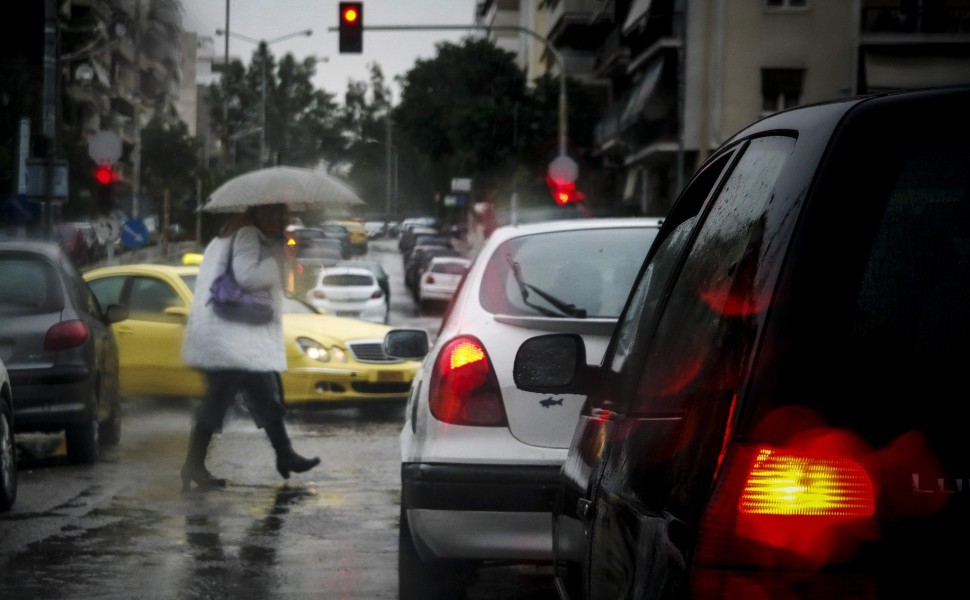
(214, 343)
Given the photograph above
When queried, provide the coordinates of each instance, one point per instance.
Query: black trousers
(262, 391)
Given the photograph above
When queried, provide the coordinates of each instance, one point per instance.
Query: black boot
(194, 467)
(287, 460)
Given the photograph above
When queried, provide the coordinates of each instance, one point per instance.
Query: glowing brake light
(788, 512)
(463, 388)
(782, 483)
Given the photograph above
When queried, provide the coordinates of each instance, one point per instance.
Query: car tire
(8, 465)
(419, 580)
(110, 430)
(82, 442)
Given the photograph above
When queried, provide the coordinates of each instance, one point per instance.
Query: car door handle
(125, 330)
(583, 508)
(604, 414)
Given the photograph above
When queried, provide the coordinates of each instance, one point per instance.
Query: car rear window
(347, 279)
(30, 286)
(449, 268)
(592, 269)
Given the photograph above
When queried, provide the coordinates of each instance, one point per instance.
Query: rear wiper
(565, 309)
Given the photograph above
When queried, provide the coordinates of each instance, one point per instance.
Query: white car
(440, 280)
(481, 458)
(352, 292)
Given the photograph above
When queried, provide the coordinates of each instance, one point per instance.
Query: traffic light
(104, 175)
(351, 27)
(564, 192)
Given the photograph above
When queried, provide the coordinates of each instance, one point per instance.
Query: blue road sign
(19, 210)
(134, 233)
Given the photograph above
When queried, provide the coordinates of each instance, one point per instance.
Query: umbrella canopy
(301, 189)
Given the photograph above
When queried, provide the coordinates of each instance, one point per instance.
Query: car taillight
(464, 389)
(777, 515)
(319, 295)
(68, 334)
(429, 279)
(377, 294)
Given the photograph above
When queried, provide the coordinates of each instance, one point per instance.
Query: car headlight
(317, 351)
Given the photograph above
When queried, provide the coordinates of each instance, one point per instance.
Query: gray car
(58, 348)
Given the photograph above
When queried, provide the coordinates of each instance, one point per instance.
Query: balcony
(568, 15)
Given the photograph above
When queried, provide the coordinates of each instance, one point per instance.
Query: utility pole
(49, 122)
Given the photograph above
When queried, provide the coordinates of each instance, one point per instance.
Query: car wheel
(418, 580)
(110, 430)
(8, 465)
(82, 442)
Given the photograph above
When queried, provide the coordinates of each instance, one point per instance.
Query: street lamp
(263, 45)
(391, 187)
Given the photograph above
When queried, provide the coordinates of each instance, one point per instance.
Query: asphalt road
(121, 529)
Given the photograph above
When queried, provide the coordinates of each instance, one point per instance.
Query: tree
(169, 158)
(458, 112)
(302, 123)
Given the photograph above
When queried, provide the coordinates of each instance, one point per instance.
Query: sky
(394, 51)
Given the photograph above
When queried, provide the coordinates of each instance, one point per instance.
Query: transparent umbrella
(302, 189)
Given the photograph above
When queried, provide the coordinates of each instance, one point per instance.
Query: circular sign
(107, 229)
(134, 234)
(104, 147)
(563, 169)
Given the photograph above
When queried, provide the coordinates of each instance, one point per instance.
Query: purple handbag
(232, 303)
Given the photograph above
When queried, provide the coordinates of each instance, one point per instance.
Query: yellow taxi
(357, 234)
(331, 361)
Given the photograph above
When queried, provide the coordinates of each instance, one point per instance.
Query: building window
(780, 89)
(786, 3)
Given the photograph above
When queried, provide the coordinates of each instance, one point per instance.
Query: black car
(780, 411)
(57, 345)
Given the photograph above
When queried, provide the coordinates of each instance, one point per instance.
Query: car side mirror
(115, 313)
(554, 363)
(409, 344)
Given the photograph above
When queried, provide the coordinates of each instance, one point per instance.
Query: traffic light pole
(563, 121)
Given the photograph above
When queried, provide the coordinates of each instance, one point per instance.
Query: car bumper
(346, 386)
(49, 399)
(501, 512)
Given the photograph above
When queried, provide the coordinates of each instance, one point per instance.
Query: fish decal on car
(550, 402)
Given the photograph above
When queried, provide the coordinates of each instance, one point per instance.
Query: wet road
(121, 529)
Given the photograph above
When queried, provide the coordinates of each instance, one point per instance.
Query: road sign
(134, 233)
(38, 170)
(108, 229)
(21, 211)
(104, 147)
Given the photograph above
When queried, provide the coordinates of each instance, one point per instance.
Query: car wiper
(565, 309)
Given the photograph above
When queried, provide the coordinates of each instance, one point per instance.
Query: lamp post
(263, 45)
(390, 160)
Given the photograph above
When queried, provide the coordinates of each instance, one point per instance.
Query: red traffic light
(104, 175)
(564, 192)
(351, 28)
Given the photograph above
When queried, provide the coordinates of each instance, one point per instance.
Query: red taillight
(784, 512)
(377, 294)
(319, 295)
(68, 334)
(429, 279)
(464, 389)
(782, 483)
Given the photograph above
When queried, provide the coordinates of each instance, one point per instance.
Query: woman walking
(236, 356)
